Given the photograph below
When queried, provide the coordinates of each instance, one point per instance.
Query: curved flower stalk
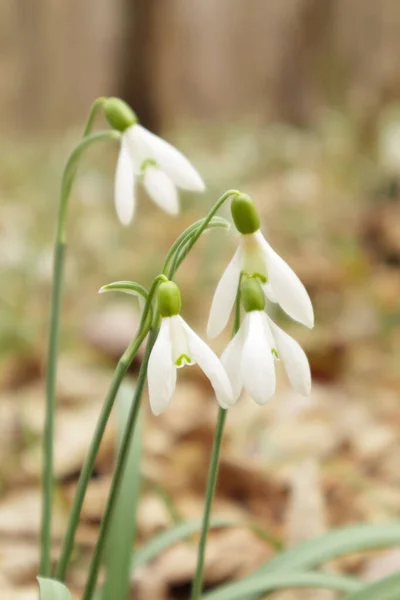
(147, 159)
(250, 356)
(256, 257)
(178, 345)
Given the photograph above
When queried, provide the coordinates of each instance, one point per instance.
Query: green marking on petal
(149, 162)
(275, 354)
(183, 360)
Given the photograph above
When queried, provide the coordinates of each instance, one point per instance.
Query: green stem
(84, 478)
(198, 227)
(118, 473)
(48, 450)
(51, 372)
(197, 587)
(97, 104)
(210, 491)
(88, 465)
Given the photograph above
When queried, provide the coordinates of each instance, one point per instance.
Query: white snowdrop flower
(147, 159)
(257, 258)
(249, 357)
(178, 345)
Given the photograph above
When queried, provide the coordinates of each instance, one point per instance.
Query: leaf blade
(385, 589)
(269, 582)
(123, 528)
(50, 589)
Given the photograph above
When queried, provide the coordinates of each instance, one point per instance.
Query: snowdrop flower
(147, 159)
(256, 257)
(249, 357)
(178, 345)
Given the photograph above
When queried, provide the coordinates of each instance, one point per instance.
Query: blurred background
(296, 102)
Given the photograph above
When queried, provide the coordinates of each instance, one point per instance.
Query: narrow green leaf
(157, 544)
(314, 553)
(123, 527)
(347, 540)
(50, 589)
(269, 582)
(385, 589)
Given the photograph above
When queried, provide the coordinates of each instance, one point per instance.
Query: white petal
(168, 158)
(294, 360)
(268, 293)
(287, 287)
(124, 194)
(161, 372)
(224, 296)
(136, 146)
(210, 364)
(161, 189)
(181, 354)
(231, 360)
(257, 367)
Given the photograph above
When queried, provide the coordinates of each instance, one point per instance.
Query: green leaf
(157, 544)
(123, 526)
(313, 553)
(347, 540)
(50, 589)
(386, 589)
(269, 582)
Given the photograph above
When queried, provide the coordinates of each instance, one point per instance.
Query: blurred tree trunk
(176, 60)
(137, 70)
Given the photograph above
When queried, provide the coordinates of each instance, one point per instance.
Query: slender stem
(183, 249)
(97, 104)
(90, 459)
(84, 478)
(51, 372)
(198, 227)
(119, 471)
(197, 587)
(48, 450)
(210, 491)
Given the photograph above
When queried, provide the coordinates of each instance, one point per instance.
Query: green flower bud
(251, 294)
(169, 299)
(245, 214)
(119, 114)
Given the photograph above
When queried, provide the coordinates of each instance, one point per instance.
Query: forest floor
(295, 468)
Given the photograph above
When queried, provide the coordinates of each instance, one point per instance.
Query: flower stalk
(51, 371)
(212, 478)
(119, 471)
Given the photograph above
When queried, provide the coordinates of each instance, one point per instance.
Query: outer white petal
(294, 360)
(136, 146)
(257, 366)
(124, 193)
(161, 372)
(224, 296)
(231, 360)
(161, 189)
(168, 158)
(212, 367)
(286, 286)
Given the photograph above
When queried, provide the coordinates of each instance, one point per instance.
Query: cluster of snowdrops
(255, 277)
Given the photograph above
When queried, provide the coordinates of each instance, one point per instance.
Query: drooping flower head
(178, 345)
(147, 159)
(256, 257)
(249, 357)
